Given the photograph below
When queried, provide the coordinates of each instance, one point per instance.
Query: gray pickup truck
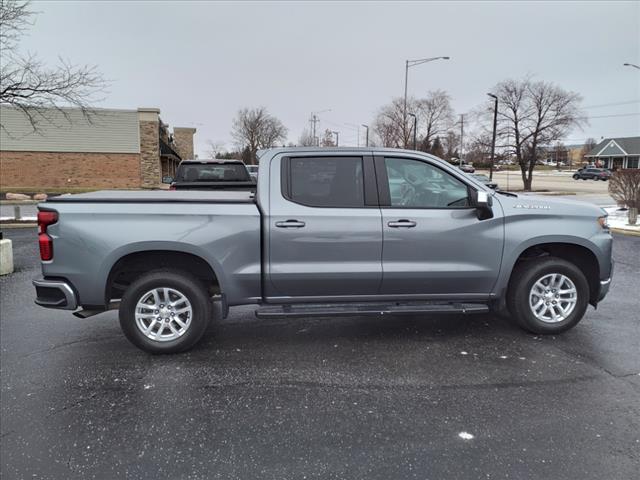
(328, 232)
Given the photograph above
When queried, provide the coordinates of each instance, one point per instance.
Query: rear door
(324, 227)
(434, 244)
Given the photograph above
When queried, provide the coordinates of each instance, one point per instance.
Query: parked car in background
(486, 180)
(253, 171)
(329, 232)
(592, 174)
(466, 168)
(212, 175)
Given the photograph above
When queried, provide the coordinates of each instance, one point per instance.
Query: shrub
(624, 187)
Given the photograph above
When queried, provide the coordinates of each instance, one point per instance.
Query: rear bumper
(55, 294)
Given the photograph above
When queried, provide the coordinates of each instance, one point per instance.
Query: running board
(351, 309)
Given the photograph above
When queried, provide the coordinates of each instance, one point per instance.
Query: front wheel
(165, 311)
(547, 295)
(576, 177)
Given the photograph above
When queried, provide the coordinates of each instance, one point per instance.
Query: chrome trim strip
(605, 282)
(64, 287)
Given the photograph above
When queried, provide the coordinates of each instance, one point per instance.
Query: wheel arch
(123, 267)
(579, 253)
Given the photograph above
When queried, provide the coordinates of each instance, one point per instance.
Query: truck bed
(157, 196)
(96, 230)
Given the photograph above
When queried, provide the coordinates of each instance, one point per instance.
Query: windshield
(209, 172)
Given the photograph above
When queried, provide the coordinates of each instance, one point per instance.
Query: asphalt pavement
(373, 398)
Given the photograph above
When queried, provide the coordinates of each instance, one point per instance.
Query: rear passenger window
(326, 181)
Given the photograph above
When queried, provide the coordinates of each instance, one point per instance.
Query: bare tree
(215, 149)
(327, 139)
(256, 128)
(389, 124)
(38, 91)
(589, 144)
(451, 142)
(435, 116)
(306, 139)
(624, 187)
(532, 114)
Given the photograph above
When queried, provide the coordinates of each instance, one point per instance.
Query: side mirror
(167, 179)
(483, 202)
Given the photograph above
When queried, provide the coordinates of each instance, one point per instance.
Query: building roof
(616, 147)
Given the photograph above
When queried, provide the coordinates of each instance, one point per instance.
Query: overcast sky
(200, 62)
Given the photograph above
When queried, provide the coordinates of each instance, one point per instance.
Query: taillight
(46, 218)
(172, 187)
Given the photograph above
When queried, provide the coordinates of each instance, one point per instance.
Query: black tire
(525, 275)
(183, 282)
(576, 177)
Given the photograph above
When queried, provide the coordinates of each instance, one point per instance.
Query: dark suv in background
(592, 173)
(212, 175)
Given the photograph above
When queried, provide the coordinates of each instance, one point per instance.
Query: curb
(625, 232)
(18, 225)
(20, 202)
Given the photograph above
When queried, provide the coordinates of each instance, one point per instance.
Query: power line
(626, 102)
(611, 116)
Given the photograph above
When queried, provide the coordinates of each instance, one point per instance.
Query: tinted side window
(327, 181)
(417, 184)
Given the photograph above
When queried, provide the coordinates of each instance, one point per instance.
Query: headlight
(603, 222)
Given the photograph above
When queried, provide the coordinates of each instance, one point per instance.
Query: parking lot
(398, 397)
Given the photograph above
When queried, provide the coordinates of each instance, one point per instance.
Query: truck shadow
(240, 329)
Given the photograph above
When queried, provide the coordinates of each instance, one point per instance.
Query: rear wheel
(547, 295)
(165, 311)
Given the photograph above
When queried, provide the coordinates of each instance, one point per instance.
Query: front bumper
(605, 284)
(55, 294)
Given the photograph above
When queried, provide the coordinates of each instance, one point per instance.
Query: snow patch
(620, 219)
(465, 436)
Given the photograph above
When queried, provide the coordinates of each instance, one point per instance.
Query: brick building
(106, 149)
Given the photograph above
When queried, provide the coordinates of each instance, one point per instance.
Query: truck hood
(545, 205)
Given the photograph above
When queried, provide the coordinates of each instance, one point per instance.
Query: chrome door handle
(402, 223)
(290, 224)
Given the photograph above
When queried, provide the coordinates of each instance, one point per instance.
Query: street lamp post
(413, 63)
(631, 65)
(367, 135)
(493, 141)
(337, 134)
(415, 129)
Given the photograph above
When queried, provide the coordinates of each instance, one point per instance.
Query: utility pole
(493, 141)
(461, 137)
(415, 130)
(337, 134)
(367, 136)
(313, 121)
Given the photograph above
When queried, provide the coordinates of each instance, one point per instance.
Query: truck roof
(211, 160)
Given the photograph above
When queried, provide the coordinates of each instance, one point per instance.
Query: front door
(324, 227)
(434, 244)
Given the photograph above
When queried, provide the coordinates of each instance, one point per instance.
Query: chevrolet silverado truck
(328, 232)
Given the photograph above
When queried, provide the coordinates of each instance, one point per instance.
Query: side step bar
(351, 309)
